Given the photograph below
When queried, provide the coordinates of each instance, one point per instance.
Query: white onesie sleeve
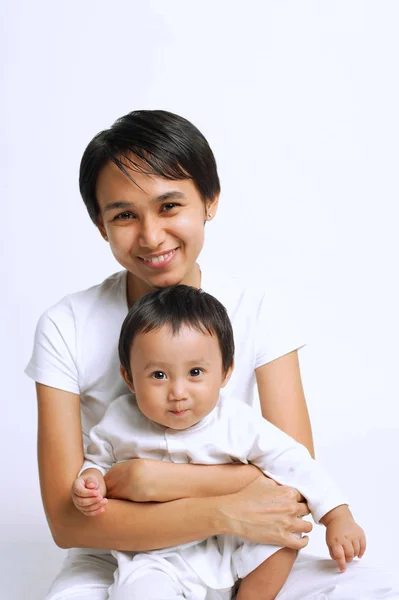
(53, 360)
(99, 454)
(286, 461)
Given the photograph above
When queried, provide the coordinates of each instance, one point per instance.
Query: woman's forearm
(262, 512)
(139, 526)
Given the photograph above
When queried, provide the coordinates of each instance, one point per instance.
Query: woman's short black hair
(175, 307)
(156, 142)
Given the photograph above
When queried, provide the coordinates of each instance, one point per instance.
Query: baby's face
(176, 378)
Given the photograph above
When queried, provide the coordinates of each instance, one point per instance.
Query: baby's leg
(85, 575)
(153, 585)
(147, 576)
(265, 582)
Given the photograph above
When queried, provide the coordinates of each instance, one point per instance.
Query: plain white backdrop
(299, 101)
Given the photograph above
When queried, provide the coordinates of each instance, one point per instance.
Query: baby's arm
(88, 492)
(345, 539)
(266, 581)
(89, 488)
(149, 480)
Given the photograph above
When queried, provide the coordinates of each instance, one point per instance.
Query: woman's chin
(163, 278)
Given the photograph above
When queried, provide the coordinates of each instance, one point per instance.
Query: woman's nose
(151, 234)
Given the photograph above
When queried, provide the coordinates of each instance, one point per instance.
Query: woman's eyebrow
(118, 204)
(172, 195)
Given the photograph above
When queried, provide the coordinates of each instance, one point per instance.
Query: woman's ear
(127, 380)
(227, 376)
(211, 207)
(101, 229)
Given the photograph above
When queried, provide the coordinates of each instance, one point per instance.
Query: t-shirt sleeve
(278, 332)
(53, 360)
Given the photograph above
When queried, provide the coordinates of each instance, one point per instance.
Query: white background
(299, 101)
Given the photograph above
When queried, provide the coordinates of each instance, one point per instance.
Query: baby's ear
(227, 375)
(126, 378)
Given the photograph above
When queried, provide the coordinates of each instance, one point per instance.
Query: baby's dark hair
(177, 306)
(155, 142)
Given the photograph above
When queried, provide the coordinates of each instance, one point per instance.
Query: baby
(176, 351)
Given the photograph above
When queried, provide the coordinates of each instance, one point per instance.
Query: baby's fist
(88, 492)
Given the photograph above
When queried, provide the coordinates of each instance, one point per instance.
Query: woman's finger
(301, 526)
(303, 509)
(296, 543)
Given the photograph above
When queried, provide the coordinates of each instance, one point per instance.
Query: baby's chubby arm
(89, 491)
(89, 488)
(345, 539)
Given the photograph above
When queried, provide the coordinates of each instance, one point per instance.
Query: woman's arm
(259, 512)
(282, 398)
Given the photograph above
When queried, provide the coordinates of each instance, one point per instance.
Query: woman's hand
(147, 480)
(266, 513)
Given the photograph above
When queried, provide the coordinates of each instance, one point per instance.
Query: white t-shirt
(76, 340)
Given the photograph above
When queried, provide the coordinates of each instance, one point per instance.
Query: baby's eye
(125, 216)
(158, 375)
(195, 372)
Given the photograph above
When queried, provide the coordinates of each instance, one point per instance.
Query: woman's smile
(160, 260)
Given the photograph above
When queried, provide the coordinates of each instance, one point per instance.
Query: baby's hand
(345, 539)
(88, 493)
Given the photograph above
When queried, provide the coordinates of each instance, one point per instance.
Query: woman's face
(155, 227)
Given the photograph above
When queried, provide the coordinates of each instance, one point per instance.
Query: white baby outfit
(232, 432)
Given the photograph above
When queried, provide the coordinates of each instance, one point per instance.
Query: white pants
(149, 576)
(214, 563)
(88, 575)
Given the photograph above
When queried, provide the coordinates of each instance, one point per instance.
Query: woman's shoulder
(265, 312)
(71, 336)
(234, 289)
(108, 293)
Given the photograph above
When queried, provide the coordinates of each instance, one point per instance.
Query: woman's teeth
(158, 259)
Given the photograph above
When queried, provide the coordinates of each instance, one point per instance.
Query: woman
(150, 184)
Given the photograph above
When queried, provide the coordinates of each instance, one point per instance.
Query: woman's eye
(168, 206)
(158, 375)
(195, 372)
(124, 216)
